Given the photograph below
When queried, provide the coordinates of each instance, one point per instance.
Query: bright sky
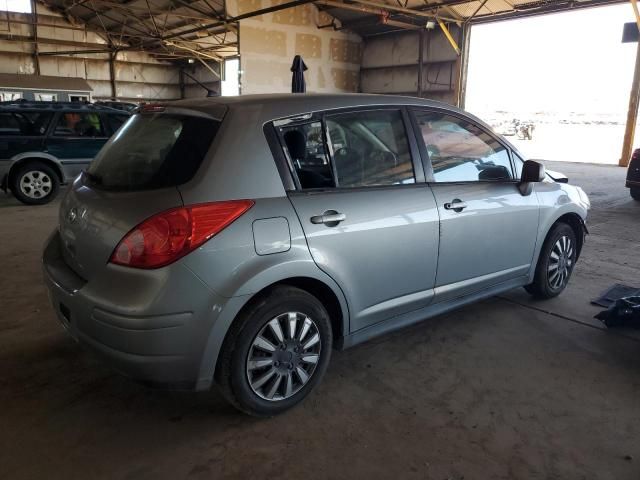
(565, 62)
(16, 5)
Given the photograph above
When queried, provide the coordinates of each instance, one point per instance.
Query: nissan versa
(236, 241)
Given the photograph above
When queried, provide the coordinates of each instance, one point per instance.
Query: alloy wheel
(283, 356)
(36, 184)
(560, 262)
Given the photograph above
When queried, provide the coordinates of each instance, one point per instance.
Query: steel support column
(112, 74)
(420, 59)
(34, 25)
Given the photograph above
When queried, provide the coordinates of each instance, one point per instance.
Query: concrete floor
(505, 389)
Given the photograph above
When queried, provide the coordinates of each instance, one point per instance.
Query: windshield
(153, 151)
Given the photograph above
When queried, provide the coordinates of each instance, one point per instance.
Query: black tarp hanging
(298, 68)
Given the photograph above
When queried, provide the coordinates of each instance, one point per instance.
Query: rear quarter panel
(239, 164)
(232, 268)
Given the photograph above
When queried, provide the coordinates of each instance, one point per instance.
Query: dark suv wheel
(556, 262)
(35, 183)
(635, 193)
(276, 352)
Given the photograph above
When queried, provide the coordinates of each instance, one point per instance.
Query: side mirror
(531, 172)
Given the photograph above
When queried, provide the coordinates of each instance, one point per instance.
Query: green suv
(46, 144)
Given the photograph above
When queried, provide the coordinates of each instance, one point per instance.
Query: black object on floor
(614, 293)
(624, 312)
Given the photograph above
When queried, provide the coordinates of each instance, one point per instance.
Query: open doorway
(562, 79)
(230, 82)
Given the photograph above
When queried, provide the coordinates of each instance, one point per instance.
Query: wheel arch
(34, 157)
(324, 289)
(578, 226)
(570, 217)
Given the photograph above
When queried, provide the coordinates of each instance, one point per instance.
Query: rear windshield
(153, 151)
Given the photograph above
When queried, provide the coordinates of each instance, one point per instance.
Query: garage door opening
(561, 79)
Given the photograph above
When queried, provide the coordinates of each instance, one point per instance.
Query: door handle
(330, 218)
(456, 205)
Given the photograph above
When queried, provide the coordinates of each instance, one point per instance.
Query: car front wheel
(35, 183)
(556, 262)
(635, 193)
(276, 352)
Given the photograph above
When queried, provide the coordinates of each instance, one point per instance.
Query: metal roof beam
(374, 8)
(255, 13)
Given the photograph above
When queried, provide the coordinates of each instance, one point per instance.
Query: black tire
(232, 374)
(546, 283)
(635, 193)
(42, 192)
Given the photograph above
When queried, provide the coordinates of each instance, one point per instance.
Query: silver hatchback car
(236, 241)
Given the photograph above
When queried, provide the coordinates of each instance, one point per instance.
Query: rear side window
(153, 151)
(24, 123)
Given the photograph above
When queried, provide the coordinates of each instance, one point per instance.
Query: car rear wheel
(35, 183)
(276, 352)
(556, 262)
(635, 193)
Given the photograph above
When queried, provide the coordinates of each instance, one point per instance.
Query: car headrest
(494, 172)
(296, 143)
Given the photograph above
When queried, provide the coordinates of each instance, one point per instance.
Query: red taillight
(167, 236)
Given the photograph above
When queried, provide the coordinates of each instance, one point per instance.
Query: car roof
(266, 107)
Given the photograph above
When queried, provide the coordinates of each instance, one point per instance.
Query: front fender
(557, 200)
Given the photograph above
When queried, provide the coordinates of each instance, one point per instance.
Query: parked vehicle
(633, 175)
(45, 144)
(238, 240)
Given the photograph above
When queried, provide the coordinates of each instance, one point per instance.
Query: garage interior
(506, 388)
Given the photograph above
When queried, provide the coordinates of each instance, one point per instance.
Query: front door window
(79, 124)
(460, 151)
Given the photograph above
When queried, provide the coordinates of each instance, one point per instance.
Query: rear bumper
(157, 337)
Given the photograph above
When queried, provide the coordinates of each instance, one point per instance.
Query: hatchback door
(488, 229)
(76, 139)
(370, 221)
(133, 178)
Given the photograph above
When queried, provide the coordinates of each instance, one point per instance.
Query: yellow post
(447, 34)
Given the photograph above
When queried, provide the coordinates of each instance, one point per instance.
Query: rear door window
(355, 149)
(153, 151)
(307, 152)
(79, 124)
(370, 148)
